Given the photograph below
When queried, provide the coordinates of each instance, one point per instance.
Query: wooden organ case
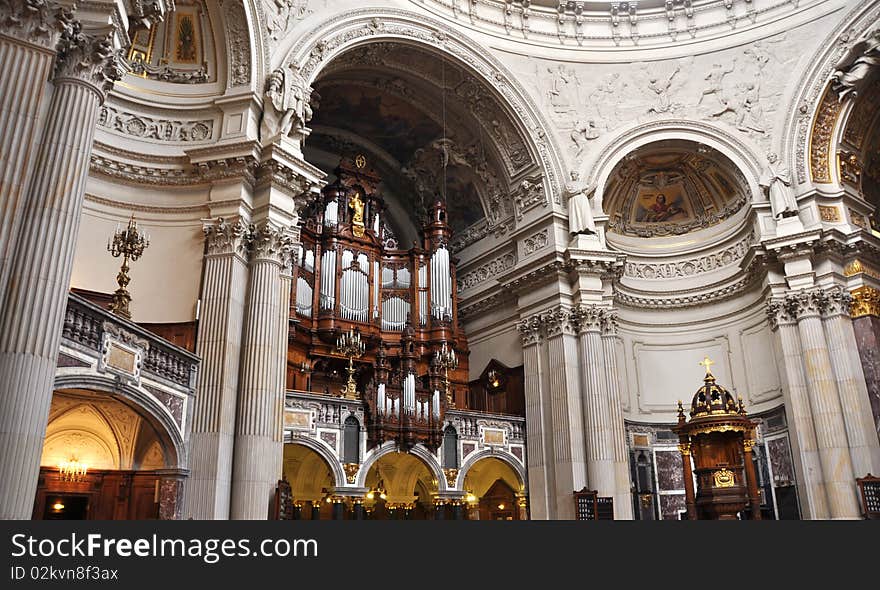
(352, 277)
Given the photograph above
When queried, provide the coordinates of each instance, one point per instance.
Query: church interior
(439, 260)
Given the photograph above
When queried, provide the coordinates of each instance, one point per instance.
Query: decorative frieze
(237, 44)
(536, 242)
(530, 193)
(144, 127)
(689, 267)
(821, 137)
(486, 271)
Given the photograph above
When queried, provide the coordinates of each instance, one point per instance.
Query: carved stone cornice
(225, 168)
(292, 181)
(226, 236)
(536, 277)
(40, 22)
(268, 242)
(865, 302)
(88, 58)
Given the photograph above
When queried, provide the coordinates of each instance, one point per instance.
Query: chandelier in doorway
(73, 470)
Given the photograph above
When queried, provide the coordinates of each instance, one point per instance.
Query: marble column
(825, 407)
(864, 447)
(258, 440)
(569, 461)
(600, 451)
(616, 430)
(782, 314)
(539, 492)
(30, 329)
(28, 38)
(219, 346)
(865, 312)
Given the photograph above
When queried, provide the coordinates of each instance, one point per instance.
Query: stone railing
(328, 410)
(86, 323)
(469, 422)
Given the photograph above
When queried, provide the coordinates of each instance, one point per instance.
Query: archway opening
(311, 482)
(494, 491)
(104, 458)
(401, 487)
(428, 127)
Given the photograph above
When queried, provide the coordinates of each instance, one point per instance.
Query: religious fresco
(397, 126)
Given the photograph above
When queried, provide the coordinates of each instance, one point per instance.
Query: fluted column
(782, 314)
(540, 494)
(600, 451)
(219, 346)
(29, 32)
(30, 329)
(569, 462)
(616, 428)
(258, 441)
(864, 446)
(826, 409)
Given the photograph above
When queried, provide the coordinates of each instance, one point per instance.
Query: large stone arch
(744, 156)
(343, 32)
(417, 451)
(492, 453)
(325, 453)
(812, 126)
(156, 413)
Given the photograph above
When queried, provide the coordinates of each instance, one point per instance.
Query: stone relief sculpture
(715, 77)
(851, 73)
(580, 209)
(660, 88)
(286, 107)
(582, 133)
(776, 182)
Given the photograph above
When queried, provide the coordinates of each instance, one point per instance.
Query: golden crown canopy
(712, 399)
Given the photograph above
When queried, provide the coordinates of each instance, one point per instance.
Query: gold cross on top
(706, 362)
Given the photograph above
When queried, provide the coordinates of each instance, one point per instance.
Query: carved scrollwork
(270, 242)
(88, 58)
(37, 21)
(225, 237)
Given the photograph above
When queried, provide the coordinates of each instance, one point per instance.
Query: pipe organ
(350, 275)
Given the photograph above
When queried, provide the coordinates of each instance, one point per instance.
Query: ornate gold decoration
(349, 344)
(865, 301)
(73, 470)
(357, 220)
(685, 448)
(829, 213)
(856, 267)
(447, 359)
(849, 169)
(718, 428)
(351, 470)
(707, 362)
(821, 137)
(723, 478)
(748, 444)
(360, 161)
(130, 244)
(451, 474)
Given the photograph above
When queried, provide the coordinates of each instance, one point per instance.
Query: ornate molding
(529, 194)
(865, 302)
(144, 127)
(35, 21)
(691, 266)
(818, 302)
(88, 58)
(238, 46)
(821, 137)
(536, 241)
(560, 321)
(226, 237)
(486, 271)
(530, 330)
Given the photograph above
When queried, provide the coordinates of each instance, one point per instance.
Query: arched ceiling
(672, 188)
(428, 127)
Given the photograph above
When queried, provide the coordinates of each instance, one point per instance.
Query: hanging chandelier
(73, 470)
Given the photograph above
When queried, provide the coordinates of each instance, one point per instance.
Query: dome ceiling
(670, 189)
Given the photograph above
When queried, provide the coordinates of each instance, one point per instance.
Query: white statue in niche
(286, 106)
(776, 182)
(580, 209)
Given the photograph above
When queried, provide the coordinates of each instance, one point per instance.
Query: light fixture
(501, 507)
(58, 506)
(470, 498)
(73, 470)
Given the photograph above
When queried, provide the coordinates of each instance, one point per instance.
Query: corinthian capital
(270, 242)
(590, 318)
(88, 58)
(530, 330)
(225, 236)
(560, 321)
(838, 301)
(36, 21)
